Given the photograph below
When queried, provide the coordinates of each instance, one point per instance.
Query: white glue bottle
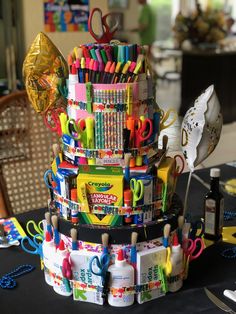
(49, 250)
(61, 284)
(121, 275)
(175, 281)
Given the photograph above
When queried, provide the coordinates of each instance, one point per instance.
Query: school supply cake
(111, 183)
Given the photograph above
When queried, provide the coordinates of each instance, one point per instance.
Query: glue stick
(121, 275)
(49, 250)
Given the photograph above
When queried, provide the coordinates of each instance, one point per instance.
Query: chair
(24, 155)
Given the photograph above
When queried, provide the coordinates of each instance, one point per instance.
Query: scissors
(35, 246)
(102, 266)
(179, 169)
(32, 225)
(77, 130)
(143, 131)
(54, 182)
(105, 31)
(137, 188)
(52, 120)
(165, 116)
(193, 249)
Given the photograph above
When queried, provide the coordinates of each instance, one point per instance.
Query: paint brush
(127, 170)
(133, 251)
(48, 222)
(180, 227)
(166, 233)
(105, 240)
(73, 233)
(55, 229)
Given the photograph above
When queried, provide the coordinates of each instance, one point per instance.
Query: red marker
(106, 72)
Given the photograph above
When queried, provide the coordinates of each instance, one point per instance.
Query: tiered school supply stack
(111, 184)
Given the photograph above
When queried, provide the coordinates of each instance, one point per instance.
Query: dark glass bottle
(214, 208)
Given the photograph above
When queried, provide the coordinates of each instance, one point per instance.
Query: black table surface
(33, 295)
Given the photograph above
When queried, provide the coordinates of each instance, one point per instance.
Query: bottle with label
(121, 275)
(175, 280)
(214, 208)
(49, 250)
(61, 284)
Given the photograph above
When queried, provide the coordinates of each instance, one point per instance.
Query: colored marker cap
(112, 68)
(126, 66)
(95, 65)
(73, 195)
(108, 65)
(82, 63)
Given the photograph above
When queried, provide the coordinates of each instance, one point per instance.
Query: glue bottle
(175, 281)
(121, 275)
(49, 250)
(61, 284)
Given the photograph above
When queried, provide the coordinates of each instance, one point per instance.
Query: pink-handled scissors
(193, 249)
(143, 130)
(52, 121)
(106, 32)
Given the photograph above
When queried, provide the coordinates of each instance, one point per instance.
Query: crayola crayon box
(100, 185)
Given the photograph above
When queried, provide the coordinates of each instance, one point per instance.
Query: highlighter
(89, 122)
(124, 71)
(63, 121)
(116, 75)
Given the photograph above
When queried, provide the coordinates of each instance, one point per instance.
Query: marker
(100, 71)
(104, 56)
(95, 77)
(111, 72)
(87, 62)
(70, 61)
(82, 70)
(86, 53)
(130, 71)
(106, 72)
(98, 54)
(124, 71)
(90, 69)
(116, 75)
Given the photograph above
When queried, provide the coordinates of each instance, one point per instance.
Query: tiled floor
(168, 96)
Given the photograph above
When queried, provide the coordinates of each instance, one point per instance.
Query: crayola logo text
(100, 186)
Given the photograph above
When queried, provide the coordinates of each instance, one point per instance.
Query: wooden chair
(24, 155)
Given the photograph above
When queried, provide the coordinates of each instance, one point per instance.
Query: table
(33, 295)
(203, 68)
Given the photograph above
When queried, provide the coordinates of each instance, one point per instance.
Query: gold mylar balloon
(44, 72)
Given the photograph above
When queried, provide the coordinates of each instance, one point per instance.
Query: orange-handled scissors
(143, 130)
(106, 32)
